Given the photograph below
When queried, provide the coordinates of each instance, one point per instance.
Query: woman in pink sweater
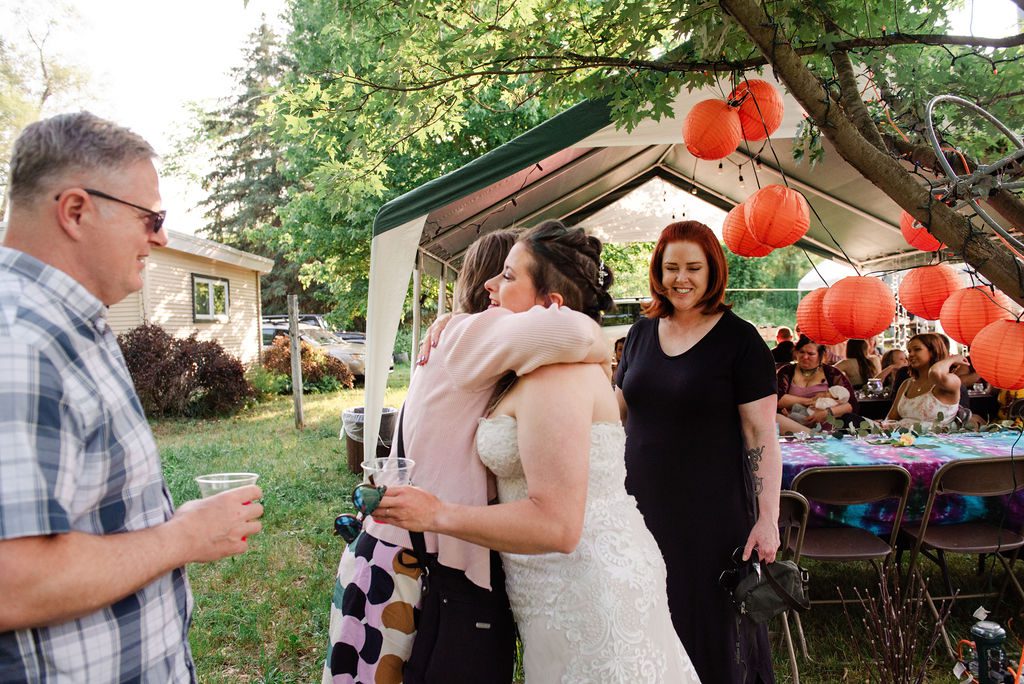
(378, 583)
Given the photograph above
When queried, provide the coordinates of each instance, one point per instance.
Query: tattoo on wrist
(754, 455)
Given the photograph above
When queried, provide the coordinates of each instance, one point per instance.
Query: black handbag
(761, 591)
(465, 634)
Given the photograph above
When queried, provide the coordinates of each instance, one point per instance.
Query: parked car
(315, 320)
(617, 322)
(352, 352)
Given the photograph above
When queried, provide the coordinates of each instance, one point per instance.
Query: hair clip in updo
(600, 274)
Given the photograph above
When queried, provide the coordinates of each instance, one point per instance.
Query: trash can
(352, 427)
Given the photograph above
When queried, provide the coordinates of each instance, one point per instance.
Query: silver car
(351, 352)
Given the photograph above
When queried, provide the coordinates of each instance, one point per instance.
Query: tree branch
(568, 62)
(852, 102)
(997, 264)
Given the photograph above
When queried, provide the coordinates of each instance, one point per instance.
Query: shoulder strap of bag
(791, 601)
(419, 543)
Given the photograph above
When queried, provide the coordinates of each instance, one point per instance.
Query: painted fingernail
(244, 538)
(420, 361)
(246, 503)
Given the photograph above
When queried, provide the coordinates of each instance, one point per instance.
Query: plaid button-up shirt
(76, 454)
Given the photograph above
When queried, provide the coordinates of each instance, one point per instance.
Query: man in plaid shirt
(92, 551)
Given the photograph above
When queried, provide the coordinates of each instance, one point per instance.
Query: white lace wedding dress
(600, 613)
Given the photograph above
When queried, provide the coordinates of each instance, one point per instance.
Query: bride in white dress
(584, 576)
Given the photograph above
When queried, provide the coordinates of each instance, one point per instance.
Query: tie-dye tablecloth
(922, 460)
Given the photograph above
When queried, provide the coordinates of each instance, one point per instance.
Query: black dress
(685, 465)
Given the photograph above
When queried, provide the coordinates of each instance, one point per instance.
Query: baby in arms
(833, 396)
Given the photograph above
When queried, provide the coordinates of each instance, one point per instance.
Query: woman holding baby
(806, 393)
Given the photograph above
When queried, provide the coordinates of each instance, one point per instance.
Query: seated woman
(932, 393)
(892, 361)
(858, 365)
(802, 382)
(834, 396)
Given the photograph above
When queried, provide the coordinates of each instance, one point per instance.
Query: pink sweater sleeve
(478, 349)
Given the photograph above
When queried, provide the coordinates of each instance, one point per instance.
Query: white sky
(148, 59)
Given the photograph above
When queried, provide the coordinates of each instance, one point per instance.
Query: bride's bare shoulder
(561, 372)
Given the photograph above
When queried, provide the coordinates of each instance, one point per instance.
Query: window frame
(212, 282)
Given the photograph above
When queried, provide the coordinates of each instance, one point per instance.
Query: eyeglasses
(154, 219)
(365, 498)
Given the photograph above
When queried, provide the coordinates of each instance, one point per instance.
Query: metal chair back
(793, 511)
(849, 485)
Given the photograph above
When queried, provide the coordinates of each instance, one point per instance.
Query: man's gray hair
(70, 142)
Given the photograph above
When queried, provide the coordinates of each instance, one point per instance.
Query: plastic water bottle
(991, 660)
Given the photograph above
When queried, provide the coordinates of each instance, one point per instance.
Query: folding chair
(1016, 410)
(983, 477)
(847, 486)
(793, 509)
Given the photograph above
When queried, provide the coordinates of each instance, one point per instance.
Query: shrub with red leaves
(183, 377)
(320, 370)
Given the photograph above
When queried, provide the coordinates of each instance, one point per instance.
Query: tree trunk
(991, 260)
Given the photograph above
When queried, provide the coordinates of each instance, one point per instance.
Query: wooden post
(296, 347)
(417, 276)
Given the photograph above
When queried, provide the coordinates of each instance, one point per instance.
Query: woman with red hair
(697, 394)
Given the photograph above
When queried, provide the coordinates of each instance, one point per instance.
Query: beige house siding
(169, 293)
(126, 314)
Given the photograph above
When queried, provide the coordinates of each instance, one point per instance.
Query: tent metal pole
(441, 292)
(417, 275)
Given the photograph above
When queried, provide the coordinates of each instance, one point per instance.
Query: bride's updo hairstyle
(567, 261)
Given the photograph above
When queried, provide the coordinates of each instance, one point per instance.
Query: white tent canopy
(825, 274)
(580, 168)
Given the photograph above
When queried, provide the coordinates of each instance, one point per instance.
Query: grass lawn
(262, 617)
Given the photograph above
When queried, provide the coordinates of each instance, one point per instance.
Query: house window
(209, 298)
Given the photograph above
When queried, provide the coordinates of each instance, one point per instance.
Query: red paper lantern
(917, 235)
(969, 310)
(811, 319)
(860, 306)
(998, 354)
(777, 216)
(925, 289)
(761, 112)
(738, 239)
(712, 130)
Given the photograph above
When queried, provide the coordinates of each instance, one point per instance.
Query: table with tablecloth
(922, 460)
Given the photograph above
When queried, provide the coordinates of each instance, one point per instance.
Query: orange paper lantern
(998, 354)
(917, 235)
(811, 319)
(969, 310)
(925, 289)
(761, 112)
(712, 130)
(860, 306)
(738, 239)
(777, 216)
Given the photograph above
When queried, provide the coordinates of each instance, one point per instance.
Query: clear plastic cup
(388, 471)
(215, 483)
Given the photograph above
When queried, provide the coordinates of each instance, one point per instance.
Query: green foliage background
(364, 100)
